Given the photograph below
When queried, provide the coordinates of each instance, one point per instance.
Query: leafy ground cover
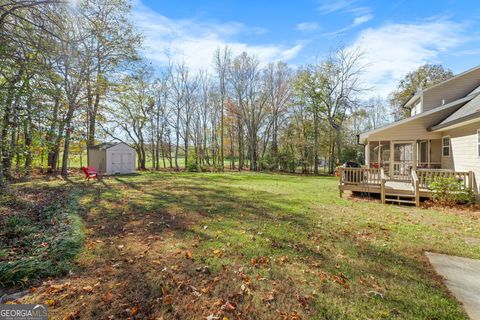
(253, 246)
(40, 232)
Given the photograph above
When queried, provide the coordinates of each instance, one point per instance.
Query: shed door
(127, 162)
(116, 162)
(122, 162)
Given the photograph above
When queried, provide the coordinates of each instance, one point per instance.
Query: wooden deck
(374, 181)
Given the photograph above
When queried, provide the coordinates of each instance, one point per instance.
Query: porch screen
(374, 152)
(380, 154)
(385, 155)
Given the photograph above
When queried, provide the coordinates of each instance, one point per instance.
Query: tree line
(71, 75)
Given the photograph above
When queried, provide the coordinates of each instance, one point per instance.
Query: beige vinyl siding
(463, 150)
(436, 151)
(452, 90)
(416, 109)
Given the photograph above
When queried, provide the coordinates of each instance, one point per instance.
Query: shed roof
(105, 145)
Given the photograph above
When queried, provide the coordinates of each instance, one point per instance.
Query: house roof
(105, 145)
(477, 68)
(455, 112)
(436, 114)
(413, 98)
(469, 111)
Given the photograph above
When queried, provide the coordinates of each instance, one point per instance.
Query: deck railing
(416, 187)
(426, 176)
(359, 176)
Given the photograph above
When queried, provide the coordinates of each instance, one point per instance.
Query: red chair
(90, 173)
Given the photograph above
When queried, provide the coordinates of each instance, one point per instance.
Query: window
(446, 146)
(478, 142)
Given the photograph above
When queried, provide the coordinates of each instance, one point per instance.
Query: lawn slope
(254, 246)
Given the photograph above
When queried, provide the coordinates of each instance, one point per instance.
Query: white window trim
(478, 143)
(449, 147)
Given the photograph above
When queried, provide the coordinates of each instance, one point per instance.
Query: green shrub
(192, 167)
(450, 191)
(18, 226)
(48, 246)
(217, 168)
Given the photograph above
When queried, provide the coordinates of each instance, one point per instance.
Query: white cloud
(194, 42)
(360, 15)
(393, 50)
(329, 6)
(355, 23)
(361, 19)
(307, 27)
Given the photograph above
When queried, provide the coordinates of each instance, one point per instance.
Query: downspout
(364, 153)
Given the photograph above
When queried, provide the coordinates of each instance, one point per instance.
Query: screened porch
(399, 158)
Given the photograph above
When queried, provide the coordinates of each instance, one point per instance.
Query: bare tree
(132, 101)
(279, 88)
(113, 41)
(222, 63)
(251, 99)
(341, 85)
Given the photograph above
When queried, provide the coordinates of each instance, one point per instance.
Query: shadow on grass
(273, 227)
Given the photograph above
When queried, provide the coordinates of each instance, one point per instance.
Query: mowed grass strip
(255, 246)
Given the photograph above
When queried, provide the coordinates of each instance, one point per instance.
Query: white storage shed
(112, 158)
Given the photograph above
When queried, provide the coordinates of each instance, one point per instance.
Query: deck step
(400, 201)
(405, 195)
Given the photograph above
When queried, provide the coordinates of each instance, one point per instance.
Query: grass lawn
(252, 246)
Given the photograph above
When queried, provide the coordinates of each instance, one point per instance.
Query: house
(441, 137)
(112, 158)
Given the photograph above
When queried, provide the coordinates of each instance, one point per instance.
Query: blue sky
(396, 36)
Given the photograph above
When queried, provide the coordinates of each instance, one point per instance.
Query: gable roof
(464, 107)
(105, 145)
(434, 115)
(469, 111)
(446, 82)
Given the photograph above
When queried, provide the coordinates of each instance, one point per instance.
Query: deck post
(382, 185)
(340, 175)
(391, 160)
(470, 180)
(415, 158)
(417, 193)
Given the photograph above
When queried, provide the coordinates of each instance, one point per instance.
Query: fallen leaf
(188, 255)
(72, 316)
(50, 302)
(88, 289)
(107, 297)
(228, 306)
(134, 311)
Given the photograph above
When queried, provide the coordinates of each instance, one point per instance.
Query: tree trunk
(177, 140)
(51, 159)
(28, 141)
(315, 142)
(338, 137)
(68, 132)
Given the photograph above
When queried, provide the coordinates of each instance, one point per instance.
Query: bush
(46, 243)
(449, 191)
(268, 163)
(217, 168)
(192, 167)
